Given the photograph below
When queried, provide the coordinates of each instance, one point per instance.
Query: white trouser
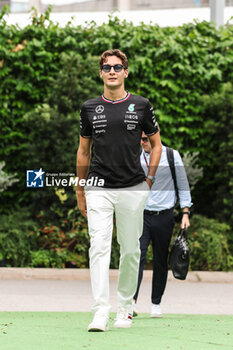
(128, 204)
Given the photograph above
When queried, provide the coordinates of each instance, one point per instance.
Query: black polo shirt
(116, 128)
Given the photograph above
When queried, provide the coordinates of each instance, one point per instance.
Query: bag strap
(183, 233)
(171, 162)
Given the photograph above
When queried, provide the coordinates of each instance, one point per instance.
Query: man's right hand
(81, 202)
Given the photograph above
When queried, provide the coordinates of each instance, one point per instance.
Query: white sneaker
(135, 311)
(99, 323)
(156, 311)
(124, 319)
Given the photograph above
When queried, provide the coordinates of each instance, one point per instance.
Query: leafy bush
(45, 258)
(62, 245)
(24, 242)
(52, 128)
(217, 157)
(44, 64)
(17, 238)
(6, 180)
(52, 145)
(193, 170)
(209, 245)
(68, 244)
(28, 243)
(71, 86)
(47, 72)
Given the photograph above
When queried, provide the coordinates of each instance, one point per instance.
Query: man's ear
(101, 74)
(126, 73)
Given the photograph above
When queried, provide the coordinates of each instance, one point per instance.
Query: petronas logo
(131, 107)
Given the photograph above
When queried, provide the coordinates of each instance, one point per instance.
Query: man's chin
(113, 86)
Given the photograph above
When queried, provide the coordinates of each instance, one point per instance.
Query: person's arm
(156, 149)
(83, 163)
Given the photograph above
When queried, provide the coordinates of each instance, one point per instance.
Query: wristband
(186, 212)
(152, 178)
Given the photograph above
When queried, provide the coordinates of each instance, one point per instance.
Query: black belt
(153, 212)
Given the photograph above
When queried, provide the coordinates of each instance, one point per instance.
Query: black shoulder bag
(180, 253)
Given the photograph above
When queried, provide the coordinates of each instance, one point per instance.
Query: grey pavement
(70, 290)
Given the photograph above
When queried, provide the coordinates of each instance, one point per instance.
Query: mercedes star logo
(99, 109)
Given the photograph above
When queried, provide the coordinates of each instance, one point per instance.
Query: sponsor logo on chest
(99, 121)
(131, 117)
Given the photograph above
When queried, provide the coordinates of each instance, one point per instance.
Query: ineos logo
(99, 109)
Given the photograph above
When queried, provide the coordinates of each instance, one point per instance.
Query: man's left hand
(185, 221)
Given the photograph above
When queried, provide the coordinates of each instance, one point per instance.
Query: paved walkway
(69, 290)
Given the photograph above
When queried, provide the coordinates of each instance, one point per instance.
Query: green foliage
(67, 244)
(45, 258)
(23, 242)
(47, 72)
(216, 156)
(52, 140)
(6, 180)
(208, 241)
(209, 246)
(17, 238)
(71, 86)
(62, 245)
(193, 170)
(51, 129)
(51, 144)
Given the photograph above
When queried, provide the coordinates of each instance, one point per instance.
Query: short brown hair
(114, 52)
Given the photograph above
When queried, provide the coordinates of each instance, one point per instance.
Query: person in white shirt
(159, 219)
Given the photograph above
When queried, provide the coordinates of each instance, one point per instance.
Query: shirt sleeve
(182, 182)
(149, 124)
(85, 127)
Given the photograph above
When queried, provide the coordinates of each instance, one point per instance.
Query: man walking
(113, 124)
(159, 219)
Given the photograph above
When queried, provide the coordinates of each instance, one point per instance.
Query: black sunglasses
(107, 68)
(144, 139)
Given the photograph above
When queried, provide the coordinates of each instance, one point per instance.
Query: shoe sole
(96, 329)
(123, 326)
(156, 316)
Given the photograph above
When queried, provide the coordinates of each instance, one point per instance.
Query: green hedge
(215, 190)
(17, 238)
(24, 243)
(173, 67)
(47, 72)
(209, 245)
